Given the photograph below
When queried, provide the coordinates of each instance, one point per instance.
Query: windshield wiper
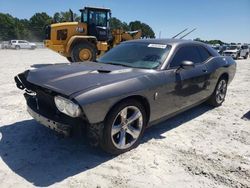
(109, 63)
(119, 64)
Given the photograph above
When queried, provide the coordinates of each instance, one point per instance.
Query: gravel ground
(202, 147)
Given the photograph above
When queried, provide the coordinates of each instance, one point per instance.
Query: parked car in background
(244, 51)
(5, 45)
(237, 51)
(22, 44)
(219, 49)
(249, 49)
(134, 85)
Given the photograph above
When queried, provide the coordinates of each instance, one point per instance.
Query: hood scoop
(101, 71)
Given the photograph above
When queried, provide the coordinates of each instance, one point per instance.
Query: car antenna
(188, 33)
(179, 33)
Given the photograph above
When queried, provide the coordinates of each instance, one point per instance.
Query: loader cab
(97, 20)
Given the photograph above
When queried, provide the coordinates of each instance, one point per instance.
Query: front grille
(43, 104)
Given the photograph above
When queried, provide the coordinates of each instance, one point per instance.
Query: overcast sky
(227, 20)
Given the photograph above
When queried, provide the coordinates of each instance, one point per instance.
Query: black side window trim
(193, 45)
(210, 55)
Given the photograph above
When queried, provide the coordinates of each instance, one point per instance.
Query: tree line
(33, 29)
(211, 42)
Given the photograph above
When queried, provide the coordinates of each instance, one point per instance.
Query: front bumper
(233, 55)
(41, 106)
(56, 126)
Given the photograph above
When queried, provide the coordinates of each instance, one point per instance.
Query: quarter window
(205, 55)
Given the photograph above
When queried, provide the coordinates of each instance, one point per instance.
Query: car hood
(68, 79)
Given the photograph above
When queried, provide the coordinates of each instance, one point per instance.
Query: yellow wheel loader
(87, 39)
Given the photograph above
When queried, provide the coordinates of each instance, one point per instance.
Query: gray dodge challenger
(137, 84)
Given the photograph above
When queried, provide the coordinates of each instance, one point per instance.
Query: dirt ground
(203, 147)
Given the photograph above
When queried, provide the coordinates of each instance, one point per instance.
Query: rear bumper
(56, 126)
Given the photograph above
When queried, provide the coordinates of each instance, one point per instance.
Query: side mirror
(186, 65)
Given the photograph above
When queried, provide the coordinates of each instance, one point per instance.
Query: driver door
(190, 85)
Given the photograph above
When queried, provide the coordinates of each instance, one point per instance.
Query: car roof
(165, 41)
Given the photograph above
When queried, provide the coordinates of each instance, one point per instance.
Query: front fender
(74, 39)
(96, 103)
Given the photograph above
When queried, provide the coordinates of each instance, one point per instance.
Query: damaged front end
(41, 106)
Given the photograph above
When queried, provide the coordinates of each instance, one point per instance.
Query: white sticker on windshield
(161, 46)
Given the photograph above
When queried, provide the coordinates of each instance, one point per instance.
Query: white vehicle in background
(244, 52)
(21, 44)
(5, 45)
(237, 51)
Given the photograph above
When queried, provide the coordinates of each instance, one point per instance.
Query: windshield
(233, 47)
(98, 18)
(137, 55)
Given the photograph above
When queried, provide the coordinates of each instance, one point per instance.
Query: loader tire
(83, 52)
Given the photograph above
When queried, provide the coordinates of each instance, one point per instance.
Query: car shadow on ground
(42, 158)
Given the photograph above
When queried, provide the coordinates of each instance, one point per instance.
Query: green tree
(212, 42)
(147, 31)
(37, 24)
(7, 27)
(65, 17)
(115, 23)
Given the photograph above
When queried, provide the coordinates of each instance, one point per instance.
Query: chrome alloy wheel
(221, 91)
(127, 127)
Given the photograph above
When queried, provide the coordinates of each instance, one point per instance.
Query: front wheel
(17, 47)
(123, 127)
(246, 56)
(219, 94)
(83, 52)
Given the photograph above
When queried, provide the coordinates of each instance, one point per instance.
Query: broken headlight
(67, 106)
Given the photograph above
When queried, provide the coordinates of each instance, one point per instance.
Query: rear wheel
(83, 52)
(123, 128)
(219, 94)
(17, 47)
(237, 56)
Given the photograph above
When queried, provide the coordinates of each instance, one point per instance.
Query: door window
(187, 53)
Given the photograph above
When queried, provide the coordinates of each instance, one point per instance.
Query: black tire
(69, 59)
(103, 133)
(17, 47)
(238, 56)
(246, 56)
(215, 100)
(83, 46)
